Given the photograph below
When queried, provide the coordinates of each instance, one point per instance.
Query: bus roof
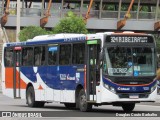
(67, 37)
(46, 39)
(56, 36)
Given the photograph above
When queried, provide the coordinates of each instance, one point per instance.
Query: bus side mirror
(158, 74)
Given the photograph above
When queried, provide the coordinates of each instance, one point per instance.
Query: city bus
(82, 70)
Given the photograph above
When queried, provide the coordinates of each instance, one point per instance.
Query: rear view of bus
(128, 69)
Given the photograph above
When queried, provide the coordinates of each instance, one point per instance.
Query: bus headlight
(112, 89)
(106, 86)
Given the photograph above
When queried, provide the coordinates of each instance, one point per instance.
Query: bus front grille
(133, 80)
(128, 95)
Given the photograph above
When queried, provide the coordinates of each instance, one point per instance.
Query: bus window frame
(45, 47)
(12, 56)
(70, 56)
(84, 59)
(57, 56)
(32, 57)
(151, 45)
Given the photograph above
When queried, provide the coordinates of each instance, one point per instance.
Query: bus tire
(30, 97)
(83, 105)
(128, 107)
(70, 105)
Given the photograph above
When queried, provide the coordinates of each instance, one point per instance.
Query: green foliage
(71, 24)
(124, 7)
(145, 8)
(30, 32)
(110, 7)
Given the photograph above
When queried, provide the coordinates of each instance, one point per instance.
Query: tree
(30, 32)
(71, 24)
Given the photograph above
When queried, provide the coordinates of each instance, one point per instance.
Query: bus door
(16, 72)
(93, 72)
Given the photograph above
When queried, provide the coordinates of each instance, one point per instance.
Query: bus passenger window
(52, 55)
(27, 56)
(39, 56)
(8, 57)
(78, 53)
(65, 54)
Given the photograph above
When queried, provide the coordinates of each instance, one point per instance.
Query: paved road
(9, 104)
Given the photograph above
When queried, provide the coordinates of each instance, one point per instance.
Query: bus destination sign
(129, 39)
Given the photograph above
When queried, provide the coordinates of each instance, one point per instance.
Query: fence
(93, 13)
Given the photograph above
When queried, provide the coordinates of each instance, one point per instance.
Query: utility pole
(18, 21)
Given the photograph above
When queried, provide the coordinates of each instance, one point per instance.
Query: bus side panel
(22, 84)
(53, 83)
(8, 83)
(9, 77)
(30, 75)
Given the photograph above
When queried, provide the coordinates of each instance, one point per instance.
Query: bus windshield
(129, 61)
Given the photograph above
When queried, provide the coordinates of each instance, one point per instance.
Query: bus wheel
(128, 107)
(83, 105)
(70, 105)
(30, 96)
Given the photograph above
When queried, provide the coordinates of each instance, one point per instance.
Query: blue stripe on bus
(56, 77)
(129, 89)
(46, 41)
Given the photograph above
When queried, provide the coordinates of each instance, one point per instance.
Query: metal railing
(109, 14)
(31, 12)
(147, 15)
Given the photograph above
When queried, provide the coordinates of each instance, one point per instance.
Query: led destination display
(129, 39)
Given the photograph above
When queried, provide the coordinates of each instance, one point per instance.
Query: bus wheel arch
(84, 106)
(78, 89)
(29, 85)
(30, 97)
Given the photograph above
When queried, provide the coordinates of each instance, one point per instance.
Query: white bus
(80, 70)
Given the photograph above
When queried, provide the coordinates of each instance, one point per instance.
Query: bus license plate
(133, 96)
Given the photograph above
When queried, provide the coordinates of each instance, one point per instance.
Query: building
(104, 14)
